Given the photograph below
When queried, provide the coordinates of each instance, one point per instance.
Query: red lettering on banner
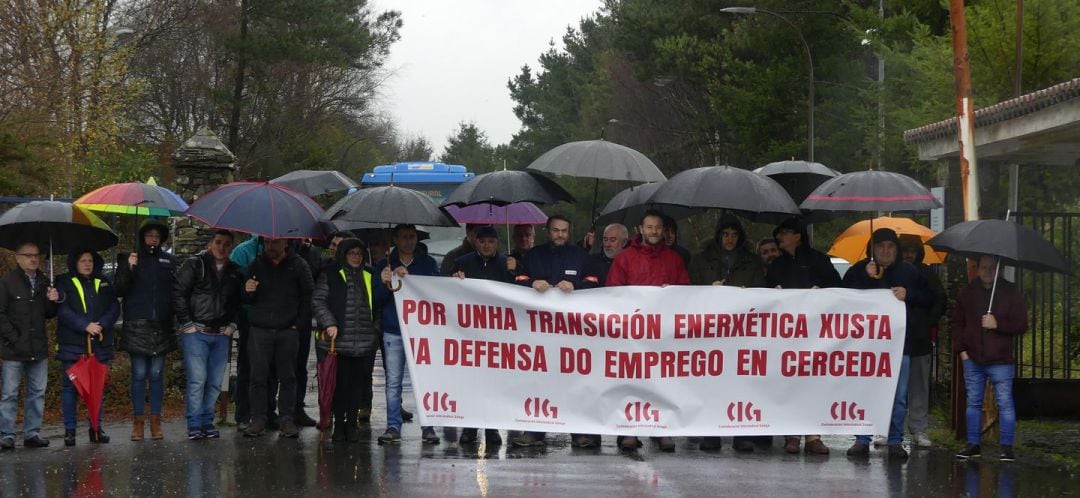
(835, 364)
(421, 351)
(426, 312)
(635, 326)
(663, 364)
(494, 355)
(752, 362)
(723, 325)
(855, 326)
(484, 316)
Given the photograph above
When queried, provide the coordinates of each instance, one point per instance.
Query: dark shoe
(745, 445)
(364, 415)
(390, 436)
(492, 437)
(468, 436)
(858, 450)
(352, 432)
(69, 437)
(428, 436)
(711, 443)
(585, 441)
(241, 426)
(255, 429)
(1007, 454)
(339, 435)
(897, 451)
(98, 436)
(289, 428)
(816, 447)
(665, 444)
(971, 451)
(35, 442)
(7, 443)
(526, 440)
(211, 432)
(194, 435)
(629, 443)
(303, 420)
(791, 445)
(406, 415)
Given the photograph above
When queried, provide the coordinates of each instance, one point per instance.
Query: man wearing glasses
(26, 300)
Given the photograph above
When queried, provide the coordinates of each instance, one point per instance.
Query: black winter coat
(100, 304)
(808, 268)
(283, 298)
(899, 274)
(342, 299)
(476, 266)
(22, 317)
(147, 297)
(200, 296)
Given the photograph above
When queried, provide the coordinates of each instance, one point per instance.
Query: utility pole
(965, 111)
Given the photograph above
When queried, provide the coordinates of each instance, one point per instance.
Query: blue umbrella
(260, 208)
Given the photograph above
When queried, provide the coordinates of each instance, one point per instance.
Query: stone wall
(202, 164)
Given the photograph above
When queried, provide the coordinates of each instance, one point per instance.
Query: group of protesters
(271, 295)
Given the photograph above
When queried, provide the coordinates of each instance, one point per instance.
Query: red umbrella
(88, 376)
(327, 375)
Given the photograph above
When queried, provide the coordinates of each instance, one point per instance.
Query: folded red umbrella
(327, 375)
(88, 375)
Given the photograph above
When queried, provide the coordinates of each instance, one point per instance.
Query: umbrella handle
(89, 346)
(394, 288)
(332, 341)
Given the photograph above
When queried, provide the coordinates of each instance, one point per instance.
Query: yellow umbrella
(851, 245)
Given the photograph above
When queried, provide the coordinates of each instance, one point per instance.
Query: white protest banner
(651, 361)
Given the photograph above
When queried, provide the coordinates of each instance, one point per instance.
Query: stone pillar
(202, 164)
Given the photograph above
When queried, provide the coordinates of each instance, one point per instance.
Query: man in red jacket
(983, 336)
(648, 261)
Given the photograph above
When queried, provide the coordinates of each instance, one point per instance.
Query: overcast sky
(455, 57)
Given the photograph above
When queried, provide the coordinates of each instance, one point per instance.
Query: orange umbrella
(851, 245)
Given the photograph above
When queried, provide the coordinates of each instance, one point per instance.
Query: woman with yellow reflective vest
(341, 303)
(88, 309)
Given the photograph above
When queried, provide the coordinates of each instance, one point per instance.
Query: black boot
(340, 433)
(69, 437)
(96, 436)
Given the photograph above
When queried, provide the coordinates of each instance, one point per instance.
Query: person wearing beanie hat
(800, 266)
(887, 271)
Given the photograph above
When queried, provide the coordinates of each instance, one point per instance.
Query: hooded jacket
(85, 300)
(982, 345)
(928, 316)
(147, 296)
(22, 316)
(643, 264)
(745, 270)
(343, 298)
(205, 297)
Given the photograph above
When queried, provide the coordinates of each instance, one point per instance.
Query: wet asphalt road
(273, 466)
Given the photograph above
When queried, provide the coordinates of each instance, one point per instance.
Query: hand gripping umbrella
(61, 226)
(88, 375)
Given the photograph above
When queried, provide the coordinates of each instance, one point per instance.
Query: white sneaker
(880, 441)
(922, 440)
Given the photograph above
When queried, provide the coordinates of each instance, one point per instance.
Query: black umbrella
(1016, 244)
(628, 206)
(508, 187)
(798, 178)
(61, 227)
(728, 188)
(390, 204)
(598, 159)
(313, 182)
(871, 191)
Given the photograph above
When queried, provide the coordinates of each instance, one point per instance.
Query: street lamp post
(809, 64)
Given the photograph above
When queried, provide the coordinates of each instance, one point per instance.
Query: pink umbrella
(518, 213)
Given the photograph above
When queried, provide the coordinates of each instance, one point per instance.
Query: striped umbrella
(135, 198)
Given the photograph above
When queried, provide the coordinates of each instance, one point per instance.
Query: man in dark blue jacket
(887, 271)
(403, 260)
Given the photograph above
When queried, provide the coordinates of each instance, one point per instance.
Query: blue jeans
(1001, 377)
(899, 407)
(204, 364)
(37, 376)
(394, 366)
(69, 399)
(141, 366)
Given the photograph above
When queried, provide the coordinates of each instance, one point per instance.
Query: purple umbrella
(518, 213)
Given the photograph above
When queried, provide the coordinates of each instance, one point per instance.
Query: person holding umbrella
(403, 260)
(207, 299)
(278, 288)
(27, 299)
(800, 266)
(884, 269)
(145, 281)
(985, 323)
(342, 305)
(88, 311)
